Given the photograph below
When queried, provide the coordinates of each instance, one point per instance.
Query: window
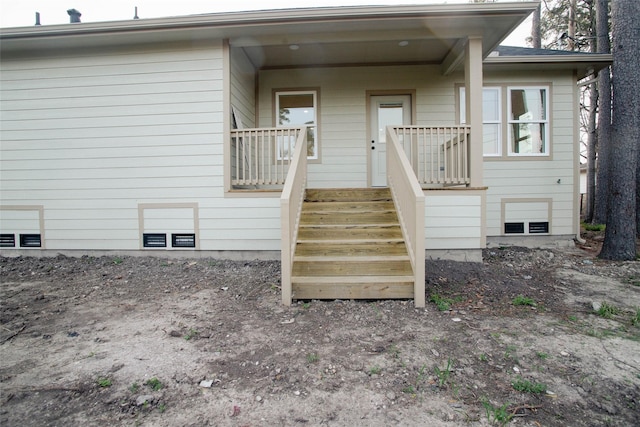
(296, 108)
(491, 119)
(528, 121)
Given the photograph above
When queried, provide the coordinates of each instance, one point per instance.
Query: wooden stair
(350, 246)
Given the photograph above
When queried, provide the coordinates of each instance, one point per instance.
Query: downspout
(576, 170)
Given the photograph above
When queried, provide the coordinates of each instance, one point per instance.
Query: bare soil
(164, 342)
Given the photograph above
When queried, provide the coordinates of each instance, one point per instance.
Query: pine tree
(620, 235)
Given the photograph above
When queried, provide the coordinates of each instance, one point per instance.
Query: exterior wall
(551, 179)
(90, 138)
(343, 111)
(106, 146)
(453, 219)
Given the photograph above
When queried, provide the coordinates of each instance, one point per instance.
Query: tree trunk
(604, 115)
(536, 38)
(620, 235)
(638, 196)
(572, 25)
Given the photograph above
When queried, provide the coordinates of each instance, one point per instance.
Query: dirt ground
(158, 342)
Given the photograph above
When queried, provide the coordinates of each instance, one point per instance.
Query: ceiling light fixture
(294, 47)
(403, 43)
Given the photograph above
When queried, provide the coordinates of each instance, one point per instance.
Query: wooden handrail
(409, 202)
(290, 208)
(262, 156)
(439, 155)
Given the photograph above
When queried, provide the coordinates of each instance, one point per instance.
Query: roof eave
(264, 17)
(585, 64)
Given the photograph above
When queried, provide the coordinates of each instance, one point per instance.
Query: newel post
(473, 89)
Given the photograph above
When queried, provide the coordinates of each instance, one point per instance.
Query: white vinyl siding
(91, 136)
(453, 220)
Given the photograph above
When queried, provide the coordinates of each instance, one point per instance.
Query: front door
(385, 110)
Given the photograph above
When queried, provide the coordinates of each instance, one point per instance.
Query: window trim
(315, 92)
(546, 122)
(504, 127)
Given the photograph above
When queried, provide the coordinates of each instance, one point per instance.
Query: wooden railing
(261, 157)
(438, 155)
(290, 208)
(409, 202)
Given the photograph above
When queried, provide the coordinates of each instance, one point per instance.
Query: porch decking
(350, 246)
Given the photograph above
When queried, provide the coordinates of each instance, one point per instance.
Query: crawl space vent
(30, 241)
(538, 227)
(183, 240)
(514, 228)
(154, 240)
(7, 240)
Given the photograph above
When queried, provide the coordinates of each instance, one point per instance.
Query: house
(204, 135)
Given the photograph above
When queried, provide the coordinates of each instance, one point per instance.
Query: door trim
(389, 92)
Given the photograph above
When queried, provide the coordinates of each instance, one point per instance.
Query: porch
(343, 243)
(306, 117)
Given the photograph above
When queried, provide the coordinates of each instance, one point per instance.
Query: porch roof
(303, 37)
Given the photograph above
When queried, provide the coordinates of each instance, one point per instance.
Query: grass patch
(509, 351)
(104, 382)
(313, 357)
(527, 386)
(443, 303)
(607, 311)
(542, 355)
(118, 260)
(154, 383)
(409, 390)
(522, 300)
(375, 370)
(133, 388)
(394, 351)
(635, 318)
(444, 374)
(497, 415)
(593, 227)
(191, 334)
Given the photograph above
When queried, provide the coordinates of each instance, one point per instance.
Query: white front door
(386, 110)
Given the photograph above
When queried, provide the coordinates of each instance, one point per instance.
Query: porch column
(473, 90)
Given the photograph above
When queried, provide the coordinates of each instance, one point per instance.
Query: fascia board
(266, 17)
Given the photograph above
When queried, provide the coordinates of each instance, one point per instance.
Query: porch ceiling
(350, 53)
(418, 38)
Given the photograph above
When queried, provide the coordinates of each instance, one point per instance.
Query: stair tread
(352, 279)
(352, 226)
(350, 245)
(351, 258)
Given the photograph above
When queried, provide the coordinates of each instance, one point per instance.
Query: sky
(21, 13)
